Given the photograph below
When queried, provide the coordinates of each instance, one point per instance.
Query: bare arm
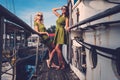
(54, 10)
(36, 29)
(67, 24)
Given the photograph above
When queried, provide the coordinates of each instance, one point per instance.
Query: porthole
(93, 58)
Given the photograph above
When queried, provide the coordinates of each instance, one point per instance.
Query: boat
(94, 39)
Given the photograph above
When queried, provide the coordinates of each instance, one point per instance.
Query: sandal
(60, 67)
(55, 66)
(49, 63)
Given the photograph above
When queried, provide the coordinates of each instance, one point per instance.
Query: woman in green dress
(60, 38)
(39, 26)
(41, 29)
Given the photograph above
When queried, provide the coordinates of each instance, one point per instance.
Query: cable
(106, 50)
(113, 2)
(13, 3)
(6, 3)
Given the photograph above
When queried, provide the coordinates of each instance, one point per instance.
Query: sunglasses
(63, 8)
(39, 15)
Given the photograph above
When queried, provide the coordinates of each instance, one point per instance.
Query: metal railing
(103, 14)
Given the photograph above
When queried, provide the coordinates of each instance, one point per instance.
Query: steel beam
(1, 42)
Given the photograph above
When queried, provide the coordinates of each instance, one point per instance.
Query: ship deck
(45, 73)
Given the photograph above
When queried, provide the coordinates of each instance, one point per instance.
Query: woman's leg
(59, 54)
(60, 57)
(51, 53)
(49, 63)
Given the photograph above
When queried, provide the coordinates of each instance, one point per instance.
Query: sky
(26, 9)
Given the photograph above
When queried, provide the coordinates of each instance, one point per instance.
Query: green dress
(41, 28)
(60, 34)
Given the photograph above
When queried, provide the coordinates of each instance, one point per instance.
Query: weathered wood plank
(44, 73)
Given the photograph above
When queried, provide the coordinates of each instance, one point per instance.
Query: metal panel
(70, 24)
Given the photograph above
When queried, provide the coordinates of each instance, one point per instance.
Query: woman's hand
(47, 34)
(54, 10)
(67, 29)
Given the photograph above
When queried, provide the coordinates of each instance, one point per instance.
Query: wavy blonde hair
(38, 14)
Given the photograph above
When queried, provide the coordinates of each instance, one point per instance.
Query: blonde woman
(40, 28)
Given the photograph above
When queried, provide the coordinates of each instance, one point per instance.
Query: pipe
(103, 23)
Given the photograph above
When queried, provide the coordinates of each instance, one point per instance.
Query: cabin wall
(104, 36)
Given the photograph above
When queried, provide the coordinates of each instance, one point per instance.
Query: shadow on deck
(44, 73)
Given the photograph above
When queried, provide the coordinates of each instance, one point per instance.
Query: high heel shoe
(49, 63)
(55, 66)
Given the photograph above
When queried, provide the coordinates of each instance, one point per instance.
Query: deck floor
(44, 73)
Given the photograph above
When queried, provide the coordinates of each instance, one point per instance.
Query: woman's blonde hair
(38, 14)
